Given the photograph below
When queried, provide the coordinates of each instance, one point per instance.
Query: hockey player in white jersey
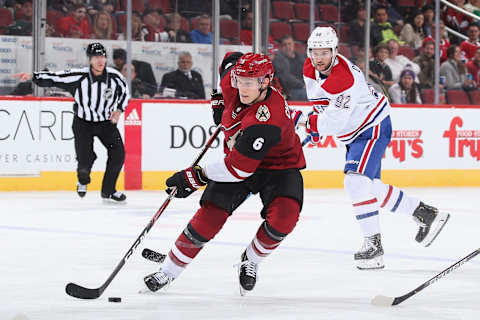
(347, 107)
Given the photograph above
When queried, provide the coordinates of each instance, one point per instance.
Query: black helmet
(96, 49)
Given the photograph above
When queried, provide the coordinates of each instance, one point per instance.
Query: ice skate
(247, 274)
(431, 222)
(370, 256)
(81, 189)
(157, 281)
(116, 197)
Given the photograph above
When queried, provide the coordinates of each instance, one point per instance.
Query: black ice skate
(431, 222)
(81, 189)
(157, 281)
(370, 255)
(117, 196)
(247, 274)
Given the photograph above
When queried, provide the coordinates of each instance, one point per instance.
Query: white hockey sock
(393, 199)
(170, 267)
(365, 204)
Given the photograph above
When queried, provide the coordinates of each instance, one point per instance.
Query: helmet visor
(246, 82)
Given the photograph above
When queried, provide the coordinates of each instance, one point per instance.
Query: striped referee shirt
(96, 97)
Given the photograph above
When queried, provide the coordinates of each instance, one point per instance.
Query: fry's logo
(406, 142)
(458, 140)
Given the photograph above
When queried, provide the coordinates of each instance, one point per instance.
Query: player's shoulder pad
(340, 78)
(308, 69)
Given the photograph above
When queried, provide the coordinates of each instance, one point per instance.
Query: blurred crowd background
(172, 43)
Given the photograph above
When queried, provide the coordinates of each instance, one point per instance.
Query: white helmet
(323, 37)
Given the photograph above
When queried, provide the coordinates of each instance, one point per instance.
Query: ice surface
(48, 239)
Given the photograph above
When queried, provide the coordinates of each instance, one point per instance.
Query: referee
(101, 95)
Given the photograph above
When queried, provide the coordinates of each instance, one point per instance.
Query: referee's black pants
(107, 132)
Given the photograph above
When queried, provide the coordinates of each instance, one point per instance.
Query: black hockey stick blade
(77, 291)
(153, 255)
(385, 301)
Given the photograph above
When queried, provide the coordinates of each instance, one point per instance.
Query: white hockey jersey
(347, 104)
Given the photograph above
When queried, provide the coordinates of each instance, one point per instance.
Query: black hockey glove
(186, 181)
(216, 101)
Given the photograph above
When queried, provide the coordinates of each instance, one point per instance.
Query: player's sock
(393, 199)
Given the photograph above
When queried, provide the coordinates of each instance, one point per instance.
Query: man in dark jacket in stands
(288, 66)
(183, 82)
(143, 69)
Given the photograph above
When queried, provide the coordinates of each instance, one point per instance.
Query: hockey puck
(114, 299)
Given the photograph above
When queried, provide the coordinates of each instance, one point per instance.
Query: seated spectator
(143, 69)
(382, 30)
(398, 62)
(139, 89)
(22, 26)
(174, 31)
(412, 32)
(184, 82)
(153, 26)
(426, 61)
(455, 72)
(372, 79)
(444, 41)
(378, 66)
(76, 24)
(429, 16)
(102, 26)
(405, 90)
(139, 30)
(246, 31)
(473, 67)
(470, 45)
(202, 34)
(356, 28)
(394, 17)
(288, 65)
(456, 19)
(473, 6)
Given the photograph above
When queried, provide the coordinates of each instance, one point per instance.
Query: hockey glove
(187, 181)
(298, 118)
(216, 101)
(311, 127)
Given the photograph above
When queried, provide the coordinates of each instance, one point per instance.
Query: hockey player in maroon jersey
(263, 155)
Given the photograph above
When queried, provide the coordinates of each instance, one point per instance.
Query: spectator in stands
(398, 62)
(455, 71)
(394, 17)
(426, 61)
(473, 6)
(185, 82)
(382, 30)
(429, 19)
(102, 26)
(76, 24)
(153, 25)
(470, 45)
(456, 19)
(143, 69)
(139, 30)
(444, 41)
(139, 88)
(202, 34)
(379, 68)
(405, 90)
(473, 67)
(174, 31)
(356, 28)
(288, 65)
(60, 5)
(246, 31)
(412, 32)
(22, 26)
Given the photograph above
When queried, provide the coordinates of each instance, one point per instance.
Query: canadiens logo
(236, 112)
(263, 114)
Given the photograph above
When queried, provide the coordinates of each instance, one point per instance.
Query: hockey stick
(80, 292)
(392, 301)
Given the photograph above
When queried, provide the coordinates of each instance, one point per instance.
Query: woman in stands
(455, 72)
(405, 90)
